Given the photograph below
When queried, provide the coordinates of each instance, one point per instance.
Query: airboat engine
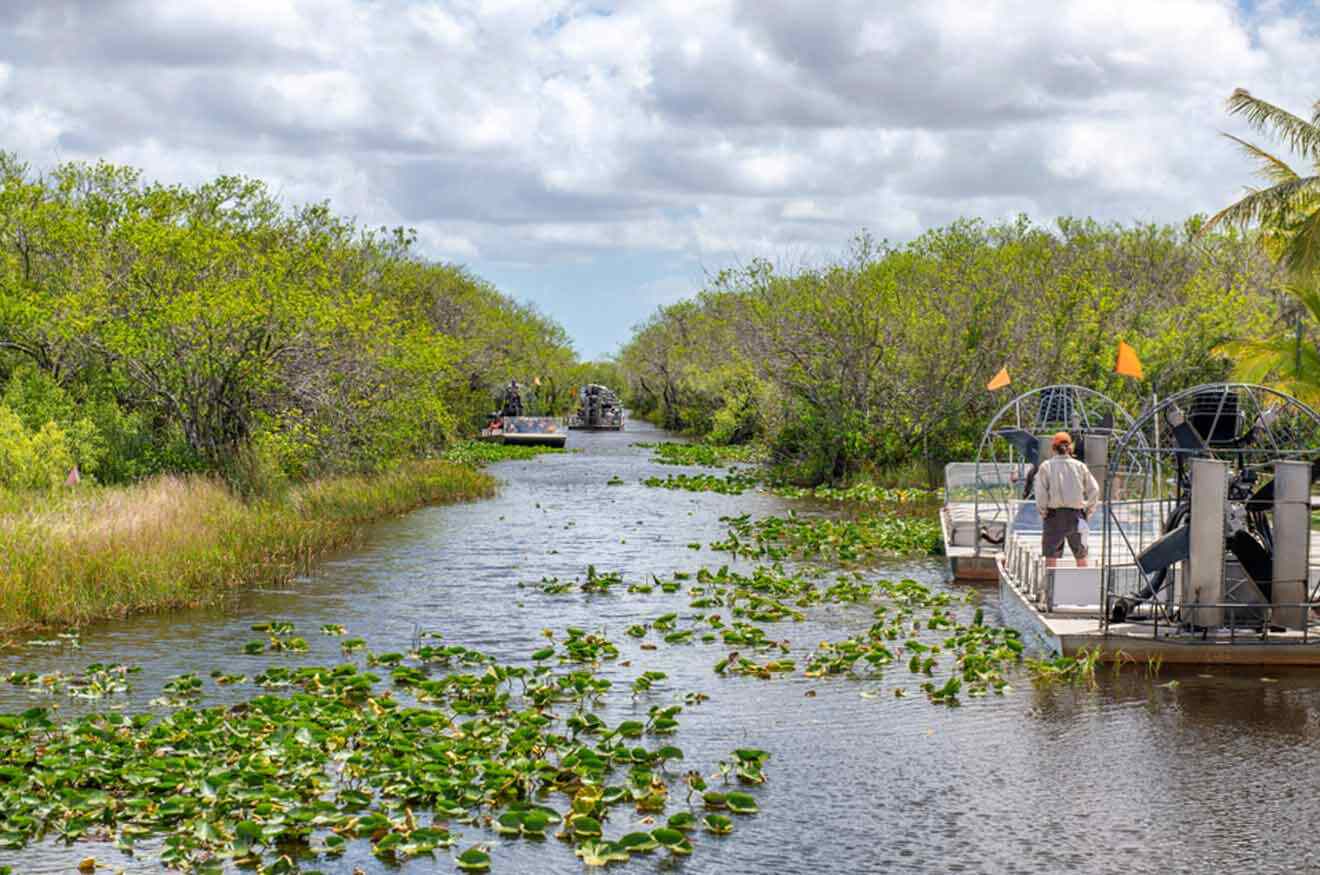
(1233, 550)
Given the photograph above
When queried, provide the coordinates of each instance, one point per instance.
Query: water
(1211, 773)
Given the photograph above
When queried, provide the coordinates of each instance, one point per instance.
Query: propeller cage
(1217, 536)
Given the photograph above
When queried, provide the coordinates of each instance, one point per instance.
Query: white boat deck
(1059, 610)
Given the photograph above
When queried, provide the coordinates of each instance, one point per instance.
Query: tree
(1287, 213)
(1288, 209)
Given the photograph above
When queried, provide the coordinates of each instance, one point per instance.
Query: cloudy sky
(600, 158)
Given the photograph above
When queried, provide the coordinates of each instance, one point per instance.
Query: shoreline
(187, 541)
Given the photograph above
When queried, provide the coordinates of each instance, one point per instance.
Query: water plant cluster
(868, 537)
(704, 455)
(479, 453)
(409, 752)
(737, 611)
(733, 483)
(736, 482)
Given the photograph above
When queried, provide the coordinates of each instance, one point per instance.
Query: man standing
(1066, 494)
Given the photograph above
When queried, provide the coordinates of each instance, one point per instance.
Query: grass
(176, 542)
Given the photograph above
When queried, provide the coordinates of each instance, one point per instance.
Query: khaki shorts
(1063, 524)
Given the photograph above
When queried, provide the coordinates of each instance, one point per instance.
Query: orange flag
(1000, 380)
(1127, 363)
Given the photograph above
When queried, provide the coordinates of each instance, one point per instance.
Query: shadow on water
(1136, 775)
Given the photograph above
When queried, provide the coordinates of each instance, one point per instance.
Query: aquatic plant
(480, 453)
(706, 455)
(1072, 670)
(735, 483)
(280, 780)
(838, 540)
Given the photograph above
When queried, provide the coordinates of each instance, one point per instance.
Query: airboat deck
(1057, 611)
(978, 495)
(971, 556)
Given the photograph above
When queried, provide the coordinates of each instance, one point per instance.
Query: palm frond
(1274, 169)
(1266, 204)
(1302, 255)
(1301, 136)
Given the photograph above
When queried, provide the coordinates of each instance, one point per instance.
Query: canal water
(1206, 771)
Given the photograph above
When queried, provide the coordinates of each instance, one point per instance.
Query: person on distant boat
(513, 405)
(1066, 494)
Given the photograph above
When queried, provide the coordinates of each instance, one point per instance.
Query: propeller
(1023, 441)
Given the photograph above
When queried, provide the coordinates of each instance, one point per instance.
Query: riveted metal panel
(1204, 582)
(1292, 541)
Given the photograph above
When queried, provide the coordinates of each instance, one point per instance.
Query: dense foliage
(881, 360)
(149, 328)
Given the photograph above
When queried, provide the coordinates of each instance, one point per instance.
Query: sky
(600, 159)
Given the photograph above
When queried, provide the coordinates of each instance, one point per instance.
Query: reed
(175, 542)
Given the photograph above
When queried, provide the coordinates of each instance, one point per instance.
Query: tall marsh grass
(185, 541)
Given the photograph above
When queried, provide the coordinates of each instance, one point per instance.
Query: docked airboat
(982, 497)
(1202, 547)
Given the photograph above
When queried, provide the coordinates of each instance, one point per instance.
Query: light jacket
(1063, 481)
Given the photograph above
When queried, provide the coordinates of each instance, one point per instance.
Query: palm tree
(1288, 209)
(1287, 212)
(1287, 362)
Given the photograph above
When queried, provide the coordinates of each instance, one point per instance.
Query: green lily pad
(639, 842)
(742, 803)
(474, 859)
(717, 824)
(510, 823)
(667, 837)
(596, 853)
(585, 827)
(683, 820)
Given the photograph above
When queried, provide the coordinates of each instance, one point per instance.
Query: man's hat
(1061, 439)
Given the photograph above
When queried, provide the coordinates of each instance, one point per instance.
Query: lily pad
(742, 803)
(474, 859)
(717, 824)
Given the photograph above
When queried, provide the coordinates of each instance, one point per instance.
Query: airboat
(543, 431)
(510, 426)
(1204, 538)
(982, 497)
(599, 409)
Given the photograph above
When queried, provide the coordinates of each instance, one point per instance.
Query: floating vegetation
(735, 483)
(598, 582)
(478, 453)
(97, 681)
(1071, 670)
(705, 455)
(860, 493)
(409, 765)
(836, 540)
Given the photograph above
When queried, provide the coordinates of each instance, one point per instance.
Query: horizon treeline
(149, 328)
(879, 362)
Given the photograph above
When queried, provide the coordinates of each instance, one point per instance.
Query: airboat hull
(528, 431)
(536, 440)
(1065, 634)
(576, 427)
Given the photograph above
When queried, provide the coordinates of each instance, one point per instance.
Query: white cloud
(524, 131)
